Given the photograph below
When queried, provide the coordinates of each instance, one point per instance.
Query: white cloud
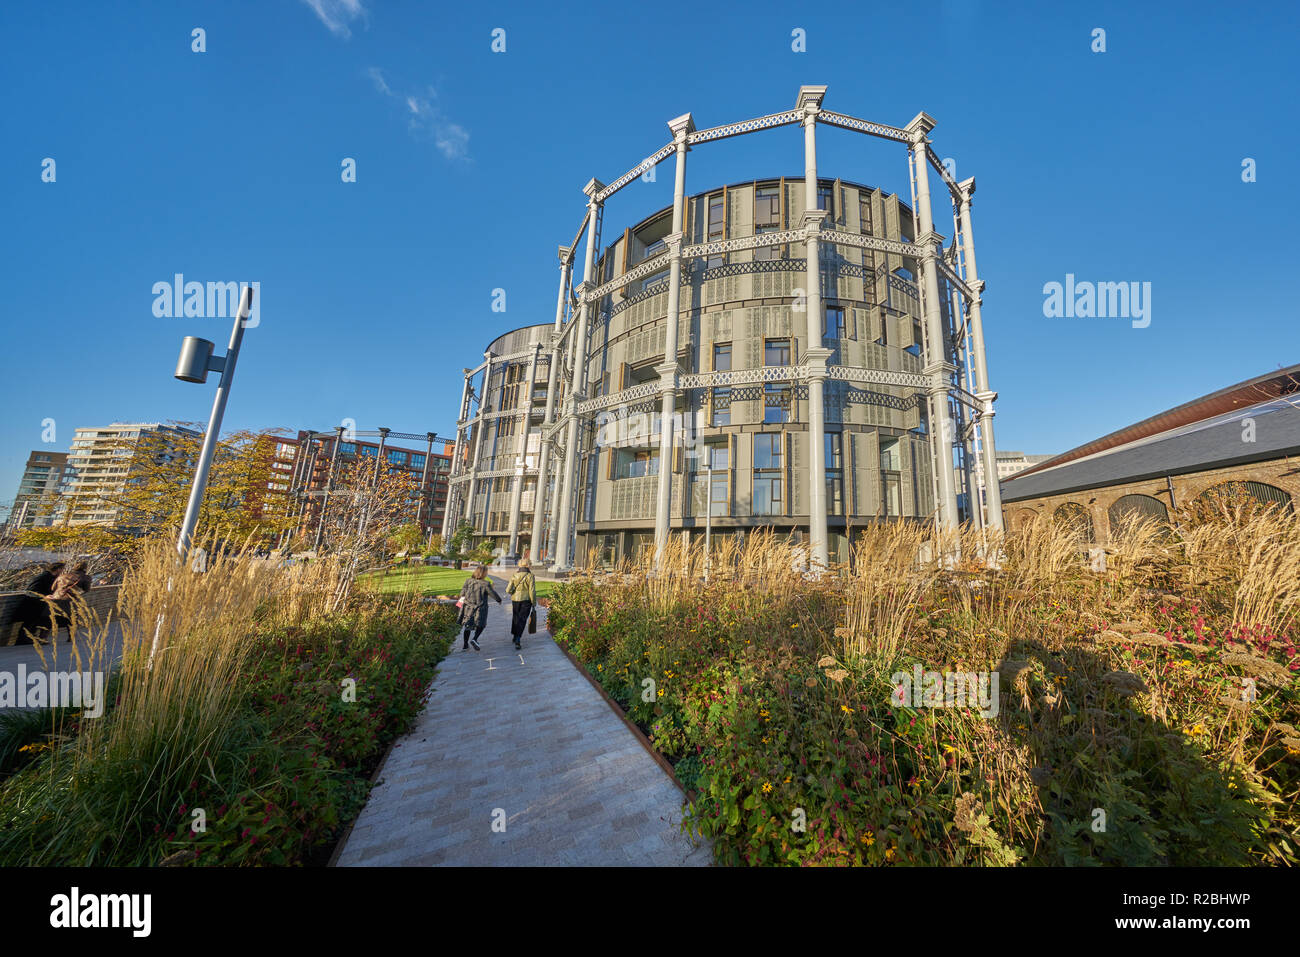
(337, 14)
(377, 77)
(424, 118)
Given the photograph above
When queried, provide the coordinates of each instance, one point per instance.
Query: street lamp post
(196, 361)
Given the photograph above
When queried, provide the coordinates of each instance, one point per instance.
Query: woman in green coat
(523, 596)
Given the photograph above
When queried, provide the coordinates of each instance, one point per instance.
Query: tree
(363, 513)
(246, 495)
(456, 547)
(406, 538)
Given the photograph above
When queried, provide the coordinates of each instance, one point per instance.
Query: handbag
(532, 622)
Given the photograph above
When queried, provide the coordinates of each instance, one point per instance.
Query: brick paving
(521, 738)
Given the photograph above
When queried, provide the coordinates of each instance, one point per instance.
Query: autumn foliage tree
(246, 496)
(362, 514)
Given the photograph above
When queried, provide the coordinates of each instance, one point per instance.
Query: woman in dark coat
(474, 596)
(34, 615)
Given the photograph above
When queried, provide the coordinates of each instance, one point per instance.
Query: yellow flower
(766, 787)
(846, 709)
(661, 692)
(868, 839)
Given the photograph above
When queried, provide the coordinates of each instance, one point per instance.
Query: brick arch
(1264, 492)
(1078, 515)
(1022, 517)
(1135, 502)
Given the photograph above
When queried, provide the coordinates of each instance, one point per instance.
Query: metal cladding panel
(794, 209)
(742, 457)
(912, 416)
(924, 475)
(798, 472)
(866, 473)
(740, 218)
(892, 230)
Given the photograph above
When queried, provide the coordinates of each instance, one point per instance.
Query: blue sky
(225, 165)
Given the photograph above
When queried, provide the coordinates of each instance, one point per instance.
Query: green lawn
(436, 581)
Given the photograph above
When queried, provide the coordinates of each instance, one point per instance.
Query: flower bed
(317, 705)
(1122, 735)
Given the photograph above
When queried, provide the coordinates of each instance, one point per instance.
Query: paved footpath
(520, 739)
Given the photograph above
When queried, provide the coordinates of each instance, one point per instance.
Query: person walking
(68, 587)
(474, 595)
(523, 598)
(34, 614)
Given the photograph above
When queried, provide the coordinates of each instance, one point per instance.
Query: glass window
(776, 352)
(369, 451)
(834, 450)
(834, 493)
(717, 456)
(893, 495)
(635, 463)
(767, 450)
(890, 460)
(722, 357)
(721, 407)
(767, 206)
(766, 253)
(864, 210)
(776, 403)
(397, 457)
(767, 493)
(834, 473)
(717, 227)
(719, 497)
(417, 460)
(834, 323)
(824, 200)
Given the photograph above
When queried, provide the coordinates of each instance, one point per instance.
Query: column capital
(668, 371)
(593, 187)
(810, 100)
(812, 219)
(919, 127)
(681, 127)
(563, 253)
(967, 187)
(939, 374)
(977, 287)
(931, 242)
(674, 241)
(816, 358)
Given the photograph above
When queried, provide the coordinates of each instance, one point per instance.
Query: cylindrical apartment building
(795, 389)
